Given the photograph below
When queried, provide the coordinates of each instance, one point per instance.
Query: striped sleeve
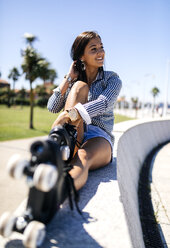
(104, 100)
(56, 101)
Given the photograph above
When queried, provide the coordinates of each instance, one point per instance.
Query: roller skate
(49, 181)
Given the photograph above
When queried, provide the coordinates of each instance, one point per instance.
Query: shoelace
(77, 143)
(71, 189)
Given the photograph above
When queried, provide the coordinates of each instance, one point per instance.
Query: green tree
(22, 93)
(44, 69)
(52, 75)
(155, 92)
(42, 95)
(41, 90)
(30, 69)
(6, 95)
(14, 75)
(34, 66)
(45, 72)
(30, 38)
(21, 97)
(135, 105)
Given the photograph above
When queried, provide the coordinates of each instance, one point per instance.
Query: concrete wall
(135, 139)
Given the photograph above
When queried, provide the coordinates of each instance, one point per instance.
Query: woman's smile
(94, 53)
(100, 59)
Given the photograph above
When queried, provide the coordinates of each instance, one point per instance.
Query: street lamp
(166, 88)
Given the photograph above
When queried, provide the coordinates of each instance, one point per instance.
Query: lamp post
(166, 88)
(151, 85)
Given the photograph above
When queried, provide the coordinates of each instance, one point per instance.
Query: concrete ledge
(135, 139)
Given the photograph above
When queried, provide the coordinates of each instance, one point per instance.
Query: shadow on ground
(67, 229)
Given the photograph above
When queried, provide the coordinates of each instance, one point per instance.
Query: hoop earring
(83, 66)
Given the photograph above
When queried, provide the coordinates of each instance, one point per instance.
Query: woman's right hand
(73, 73)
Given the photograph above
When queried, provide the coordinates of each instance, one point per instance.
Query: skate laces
(71, 129)
(72, 190)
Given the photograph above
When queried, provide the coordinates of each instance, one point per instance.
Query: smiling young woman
(93, 58)
(87, 94)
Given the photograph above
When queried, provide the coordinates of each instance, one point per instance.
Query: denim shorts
(92, 131)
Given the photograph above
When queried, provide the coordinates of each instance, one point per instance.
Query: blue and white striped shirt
(98, 110)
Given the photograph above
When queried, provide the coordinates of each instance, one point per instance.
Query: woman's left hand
(61, 119)
(64, 118)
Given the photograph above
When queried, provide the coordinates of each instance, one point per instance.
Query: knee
(80, 88)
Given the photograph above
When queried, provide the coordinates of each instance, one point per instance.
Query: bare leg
(95, 153)
(78, 94)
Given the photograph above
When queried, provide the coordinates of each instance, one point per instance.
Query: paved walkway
(12, 192)
(160, 191)
(139, 114)
(105, 224)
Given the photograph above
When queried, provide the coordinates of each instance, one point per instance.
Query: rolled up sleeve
(104, 100)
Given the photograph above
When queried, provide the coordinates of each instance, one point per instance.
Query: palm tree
(34, 66)
(44, 69)
(30, 69)
(45, 73)
(155, 91)
(30, 38)
(52, 75)
(135, 105)
(14, 74)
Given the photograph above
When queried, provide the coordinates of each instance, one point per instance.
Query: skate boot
(49, 181)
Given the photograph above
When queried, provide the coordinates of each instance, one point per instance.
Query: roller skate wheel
(15, 166)
(65, 152)
(34, 234)
(45, 177)
(7, 222)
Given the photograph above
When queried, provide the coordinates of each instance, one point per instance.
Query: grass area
(14, 122)
(120, 118)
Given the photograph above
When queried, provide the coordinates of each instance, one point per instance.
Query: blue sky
(135, 34)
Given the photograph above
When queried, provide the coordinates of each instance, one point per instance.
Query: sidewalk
(12, 192)
(139, 114)
(100, 203)
(104, 224)
(160, 191)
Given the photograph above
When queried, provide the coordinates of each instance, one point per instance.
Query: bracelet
(69, 79)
